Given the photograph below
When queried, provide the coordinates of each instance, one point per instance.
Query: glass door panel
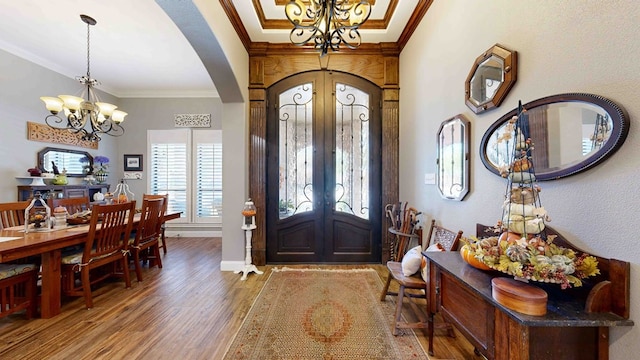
(295, 151)
(352, 151)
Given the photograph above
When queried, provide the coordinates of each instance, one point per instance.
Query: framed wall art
(132, 162)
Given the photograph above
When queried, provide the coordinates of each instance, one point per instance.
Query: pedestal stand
(249, 214)
(248, 265)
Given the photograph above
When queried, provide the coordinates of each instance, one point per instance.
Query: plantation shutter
(169, 168)
(208, 175)
(187, 165)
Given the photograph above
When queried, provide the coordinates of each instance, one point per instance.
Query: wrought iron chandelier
(103, 117)
(327, 23)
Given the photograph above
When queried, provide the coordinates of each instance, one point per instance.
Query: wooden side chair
(73, 205)
(18, 289)
(163, 240)
(147, 234)
(438, 236)
(12, 213)
(107, 248)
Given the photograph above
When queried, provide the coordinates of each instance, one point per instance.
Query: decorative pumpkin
(467, 254)
(510, 237)
(524, 195)
(517, 253)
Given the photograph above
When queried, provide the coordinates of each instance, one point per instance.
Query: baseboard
(231, 265)
(193, 233)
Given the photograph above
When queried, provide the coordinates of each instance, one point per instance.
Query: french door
(323, 169)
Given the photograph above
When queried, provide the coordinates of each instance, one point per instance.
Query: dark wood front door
(324, 161)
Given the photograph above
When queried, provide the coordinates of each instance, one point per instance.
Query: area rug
(322, 314)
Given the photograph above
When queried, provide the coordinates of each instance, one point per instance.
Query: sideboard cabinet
(26, 192)
(576, 325)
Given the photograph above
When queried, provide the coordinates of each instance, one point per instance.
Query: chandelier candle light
(103, 117)
(327, 23)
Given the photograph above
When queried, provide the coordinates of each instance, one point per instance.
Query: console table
(26, 192)
(576, 325)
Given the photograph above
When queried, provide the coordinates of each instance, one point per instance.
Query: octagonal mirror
(490, 79)
(452, 176)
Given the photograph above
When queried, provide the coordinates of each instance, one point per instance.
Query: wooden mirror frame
(509, 74)
(46, 168)
(618, 134)
(457, 187)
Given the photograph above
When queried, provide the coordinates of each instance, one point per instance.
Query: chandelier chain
(87, 117)
(88, 51)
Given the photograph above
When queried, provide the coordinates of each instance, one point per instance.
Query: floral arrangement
(534, 259)
(103, 161)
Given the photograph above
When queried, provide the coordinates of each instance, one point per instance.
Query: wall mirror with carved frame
(490, 79)
(570, 133)
(73, 161)
(452, 176)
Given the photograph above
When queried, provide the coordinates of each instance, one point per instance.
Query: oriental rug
(322, 314)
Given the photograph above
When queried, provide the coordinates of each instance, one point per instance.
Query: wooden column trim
(258, 171)
(390, 160)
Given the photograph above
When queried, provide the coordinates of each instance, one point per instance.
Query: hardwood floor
(187, 310)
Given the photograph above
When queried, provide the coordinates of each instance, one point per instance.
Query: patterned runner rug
(322, 314)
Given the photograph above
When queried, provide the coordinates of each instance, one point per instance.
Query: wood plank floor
(187, 310)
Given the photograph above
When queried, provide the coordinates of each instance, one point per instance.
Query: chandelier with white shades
(87, 108)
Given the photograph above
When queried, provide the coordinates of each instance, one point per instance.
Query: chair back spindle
(12, 213)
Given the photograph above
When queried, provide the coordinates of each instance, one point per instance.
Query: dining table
(17, 244)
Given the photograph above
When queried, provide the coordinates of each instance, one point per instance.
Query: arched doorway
(323, 169)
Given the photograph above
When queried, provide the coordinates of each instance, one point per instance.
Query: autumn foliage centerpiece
(520, 246)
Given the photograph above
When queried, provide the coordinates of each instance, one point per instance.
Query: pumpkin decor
(523, 249)
(468, 254)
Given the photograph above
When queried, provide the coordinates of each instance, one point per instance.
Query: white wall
(563, 46)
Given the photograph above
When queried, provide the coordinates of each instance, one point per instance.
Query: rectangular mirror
(452, 176)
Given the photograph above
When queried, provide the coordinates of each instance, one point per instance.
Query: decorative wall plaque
(44, 133)
(193, 120)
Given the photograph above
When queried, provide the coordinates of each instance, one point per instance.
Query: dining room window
(187, 165)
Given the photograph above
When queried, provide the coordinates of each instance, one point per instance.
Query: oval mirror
(452, 176)
(490, 79)
(570, 133)
(75, 162)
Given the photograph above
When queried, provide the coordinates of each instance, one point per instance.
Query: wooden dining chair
(106, 248)
(412, 286)
(18, 289)
(73, 205)
(147, 234)
(12, 213)
(163, 240)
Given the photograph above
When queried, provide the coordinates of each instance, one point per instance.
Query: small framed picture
(133, 163)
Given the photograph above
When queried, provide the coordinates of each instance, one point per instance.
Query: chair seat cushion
(413, 282)
(76, 258)
(9, 270)
(73, 258)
